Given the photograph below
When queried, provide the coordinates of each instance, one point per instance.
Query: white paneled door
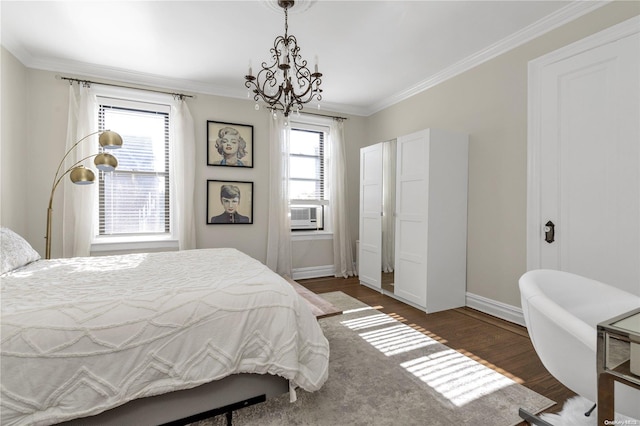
(584, 164)
(370, 251)
(431, 219)
(412, 195)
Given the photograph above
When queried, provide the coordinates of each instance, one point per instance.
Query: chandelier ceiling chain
(286, 84)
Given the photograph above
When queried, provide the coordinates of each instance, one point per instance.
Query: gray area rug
(383, 372)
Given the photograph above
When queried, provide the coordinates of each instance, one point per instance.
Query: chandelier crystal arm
(269, 79)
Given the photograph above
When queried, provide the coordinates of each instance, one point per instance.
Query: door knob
(549, 232)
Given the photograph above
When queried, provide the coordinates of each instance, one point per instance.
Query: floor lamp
(80, 175)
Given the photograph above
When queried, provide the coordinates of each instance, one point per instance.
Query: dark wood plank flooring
(319, 306)
(496, 343)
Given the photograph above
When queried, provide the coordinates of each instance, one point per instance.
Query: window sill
(311, 235)
(133, 244)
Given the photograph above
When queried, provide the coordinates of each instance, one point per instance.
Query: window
(134, 200)
(307, 186)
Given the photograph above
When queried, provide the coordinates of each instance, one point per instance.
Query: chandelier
(285, 84)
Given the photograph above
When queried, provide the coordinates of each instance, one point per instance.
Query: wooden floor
(496, 343)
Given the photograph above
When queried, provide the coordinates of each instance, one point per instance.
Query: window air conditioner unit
(303, 217)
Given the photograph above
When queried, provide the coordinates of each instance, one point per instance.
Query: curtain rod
(316, 114)
(77, 80)
(324, 115)
(178, 95)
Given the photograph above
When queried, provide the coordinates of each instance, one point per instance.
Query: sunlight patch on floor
(396, 339)
(455, 376)
(368, 321)
(350, 311)
(459, 377)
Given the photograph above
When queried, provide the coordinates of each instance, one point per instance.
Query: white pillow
(15, 251)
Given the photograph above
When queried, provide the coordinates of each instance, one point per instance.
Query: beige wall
(489, 103)
(13, 143)
(33, 138)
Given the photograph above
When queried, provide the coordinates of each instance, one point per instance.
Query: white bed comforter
(80, 336)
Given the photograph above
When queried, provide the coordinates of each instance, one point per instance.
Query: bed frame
(190, 405)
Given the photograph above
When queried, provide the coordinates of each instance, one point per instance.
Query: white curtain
(79, 201)
(182, 171)
(342, 244)
(279, 231)
(388, 205)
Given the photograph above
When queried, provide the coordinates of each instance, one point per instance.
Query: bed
(121, 336)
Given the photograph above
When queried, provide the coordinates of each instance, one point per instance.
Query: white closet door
(412, 183)
(589, 164)
(370, 255)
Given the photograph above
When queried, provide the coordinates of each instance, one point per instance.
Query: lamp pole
(80, 175)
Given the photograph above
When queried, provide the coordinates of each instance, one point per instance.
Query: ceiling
(372, 53)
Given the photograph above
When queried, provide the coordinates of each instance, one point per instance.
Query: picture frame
(229, 202)
(229, 144)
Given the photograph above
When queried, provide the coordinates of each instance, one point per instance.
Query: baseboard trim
(488, 306)
(313, 272)
(497, 309)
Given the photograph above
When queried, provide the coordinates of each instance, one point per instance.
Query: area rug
(383, 372)
(572, 414)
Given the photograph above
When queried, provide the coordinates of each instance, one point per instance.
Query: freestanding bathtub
(561, 311)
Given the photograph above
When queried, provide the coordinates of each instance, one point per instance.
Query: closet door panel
(431, 204)
(411, 217)
(370, 252)
(411, 274)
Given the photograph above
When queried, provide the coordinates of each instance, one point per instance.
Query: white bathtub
(561, 311)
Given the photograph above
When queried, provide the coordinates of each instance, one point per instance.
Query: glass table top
(631, 323)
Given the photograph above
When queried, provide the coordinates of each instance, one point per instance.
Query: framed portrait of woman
(229, 144)
(229, 202)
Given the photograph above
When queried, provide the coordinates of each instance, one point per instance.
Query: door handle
(549, 232)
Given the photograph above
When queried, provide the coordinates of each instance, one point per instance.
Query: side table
(617, 340)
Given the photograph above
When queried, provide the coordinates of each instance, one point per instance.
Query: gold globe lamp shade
(110, 140)
(105, 162)
(81, 175)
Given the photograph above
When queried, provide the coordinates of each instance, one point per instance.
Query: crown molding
(572, 11)
(125, 76)
(150, 80)
(562, 16)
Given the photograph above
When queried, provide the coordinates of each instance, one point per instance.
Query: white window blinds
(308, 193)
(134, 199)
(306, 167)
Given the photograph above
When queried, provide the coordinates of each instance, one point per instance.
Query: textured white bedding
(83, 335)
